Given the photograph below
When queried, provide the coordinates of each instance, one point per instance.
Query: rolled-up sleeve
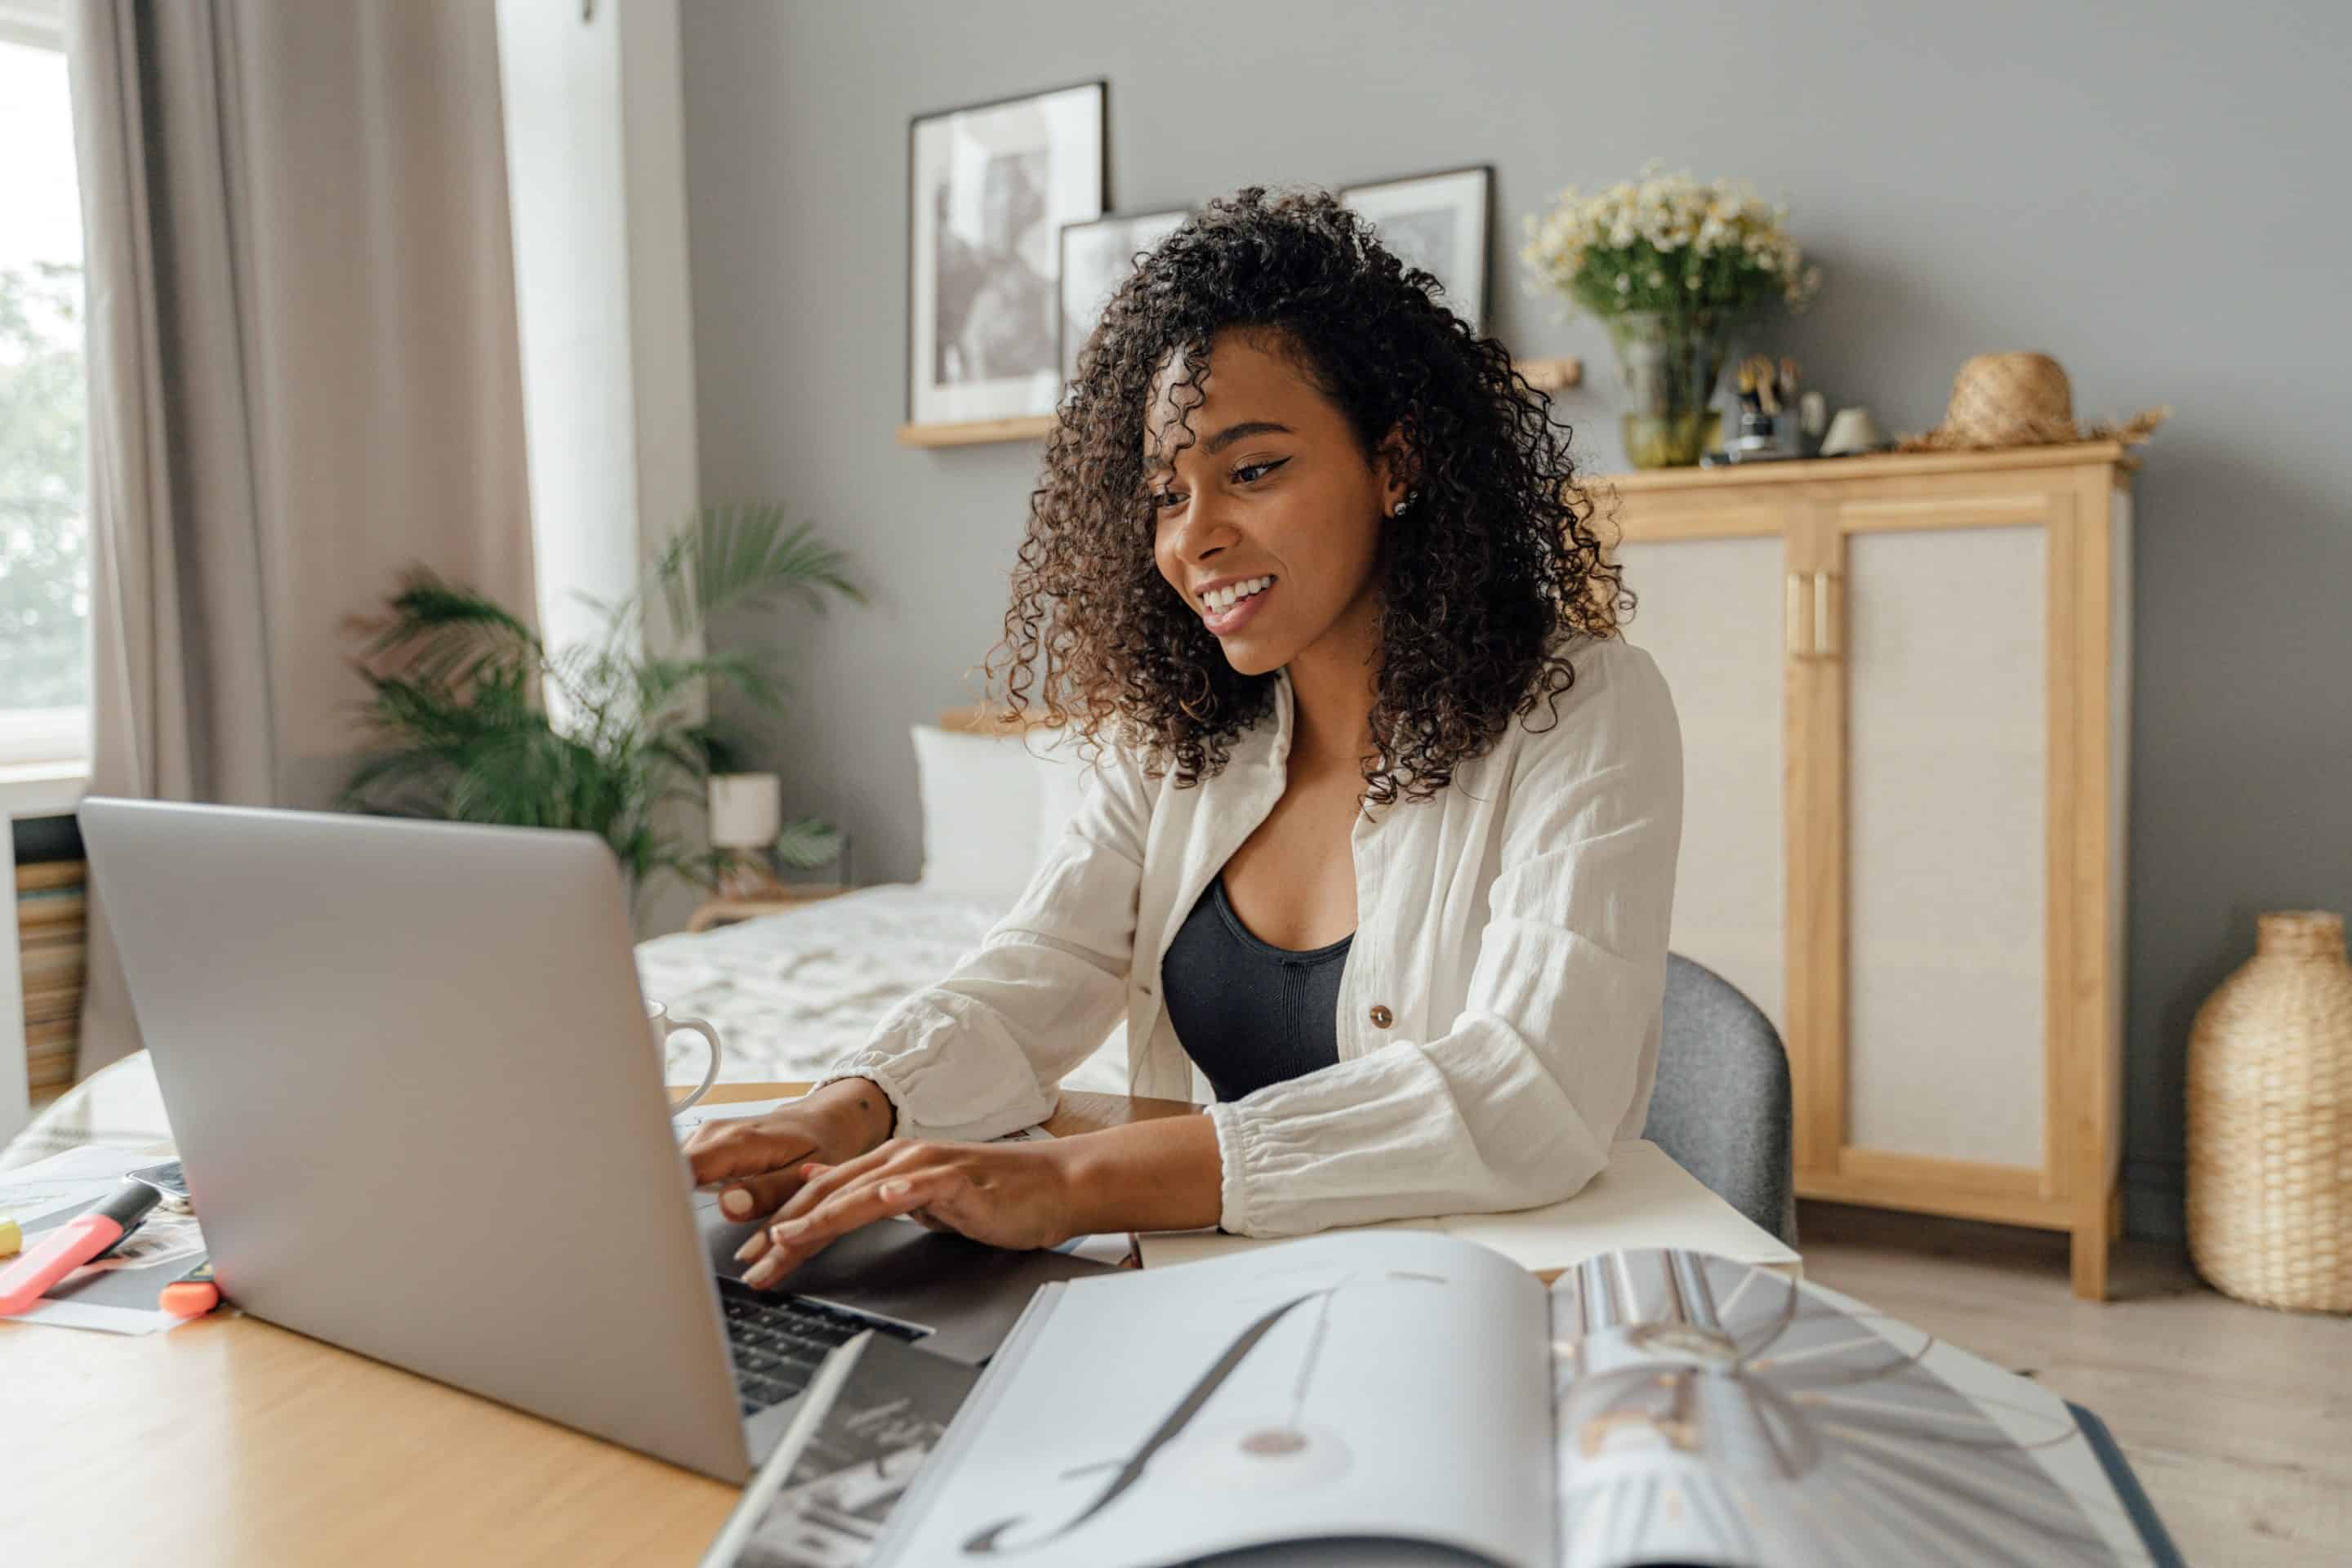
(1517, 1102)
(977, 1054)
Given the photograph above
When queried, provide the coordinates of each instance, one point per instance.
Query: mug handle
(710, 1078)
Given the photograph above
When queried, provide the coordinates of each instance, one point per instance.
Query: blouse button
(1381, 1016)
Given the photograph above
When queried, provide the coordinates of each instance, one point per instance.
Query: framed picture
(1439, 223)
(1097, 256)
(989, 188)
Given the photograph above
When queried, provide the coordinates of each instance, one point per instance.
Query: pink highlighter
(68, 1247)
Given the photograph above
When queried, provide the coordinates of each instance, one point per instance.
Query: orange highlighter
(68, 1247)
(193, 1294)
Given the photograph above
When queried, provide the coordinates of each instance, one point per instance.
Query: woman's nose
(1203, 529)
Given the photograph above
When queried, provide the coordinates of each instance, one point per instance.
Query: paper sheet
(1643, 1199)
(25, 1202)
(117, 1294)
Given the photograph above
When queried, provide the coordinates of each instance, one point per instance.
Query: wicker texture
(2019, 400)
(2270, 1120)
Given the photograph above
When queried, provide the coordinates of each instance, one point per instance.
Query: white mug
(662, 1026)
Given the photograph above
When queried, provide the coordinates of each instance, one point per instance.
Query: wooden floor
(2238, 1419)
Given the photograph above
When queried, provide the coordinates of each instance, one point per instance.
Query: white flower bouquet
(1666, 244)
(1671, 267)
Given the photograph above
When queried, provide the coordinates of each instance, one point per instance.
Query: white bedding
(793, 991)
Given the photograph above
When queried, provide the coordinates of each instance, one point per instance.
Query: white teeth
(1220, 600)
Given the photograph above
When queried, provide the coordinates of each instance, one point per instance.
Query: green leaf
(729, 557)
(455, 686)
(807, 844)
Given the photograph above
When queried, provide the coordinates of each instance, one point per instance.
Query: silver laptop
(407, 1067)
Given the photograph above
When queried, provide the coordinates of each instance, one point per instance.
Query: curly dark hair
(1494, 560)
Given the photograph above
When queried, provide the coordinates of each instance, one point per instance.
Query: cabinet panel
(1946, 880)
(1710, 614)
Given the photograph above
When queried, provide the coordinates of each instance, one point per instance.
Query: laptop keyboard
(778, 1342)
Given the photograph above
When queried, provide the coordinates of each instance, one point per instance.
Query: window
(44, 514)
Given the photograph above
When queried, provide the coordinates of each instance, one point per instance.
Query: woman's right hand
(759, 1157)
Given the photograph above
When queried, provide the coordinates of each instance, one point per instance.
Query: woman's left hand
(1007, 1194)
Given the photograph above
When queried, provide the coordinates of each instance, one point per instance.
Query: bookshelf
(37, 802)
(52, 960)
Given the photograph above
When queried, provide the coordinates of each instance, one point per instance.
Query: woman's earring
(1398, 510)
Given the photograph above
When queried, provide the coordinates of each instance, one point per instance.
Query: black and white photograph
(990, 187)
(1096, 256)
(1438, 223)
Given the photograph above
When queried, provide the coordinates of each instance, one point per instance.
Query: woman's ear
(1399, 471)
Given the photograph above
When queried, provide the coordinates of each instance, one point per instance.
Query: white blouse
(1499, 1012)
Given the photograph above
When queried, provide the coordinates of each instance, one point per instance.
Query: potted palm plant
(474, 719)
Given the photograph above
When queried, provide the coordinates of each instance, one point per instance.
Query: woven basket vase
(2270, 1120)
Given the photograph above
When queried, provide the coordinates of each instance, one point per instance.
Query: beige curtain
(303, 376)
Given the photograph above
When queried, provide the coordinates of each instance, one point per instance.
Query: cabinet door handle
(1813, 631)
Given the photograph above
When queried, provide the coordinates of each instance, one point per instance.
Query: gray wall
(2155, 196)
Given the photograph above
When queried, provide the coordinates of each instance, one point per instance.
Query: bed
(793, 991)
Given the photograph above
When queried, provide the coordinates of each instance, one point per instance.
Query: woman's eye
(1240, 476)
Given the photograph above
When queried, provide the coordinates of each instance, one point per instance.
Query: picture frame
(988, 186)
(1442, 222)
(1097, 255)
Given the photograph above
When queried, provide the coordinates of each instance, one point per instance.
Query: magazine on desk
(867, 1421)
(1419, 1398)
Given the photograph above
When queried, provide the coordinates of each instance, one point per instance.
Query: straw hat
(2019, 400)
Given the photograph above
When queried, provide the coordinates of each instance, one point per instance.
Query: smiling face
(1268, 525)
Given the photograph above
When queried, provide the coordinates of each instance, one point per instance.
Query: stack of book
(51, 955)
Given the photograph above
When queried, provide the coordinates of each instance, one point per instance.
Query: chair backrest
(1722, 1107)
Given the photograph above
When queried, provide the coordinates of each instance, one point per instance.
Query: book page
(1372, 1387)
(1708, 1411)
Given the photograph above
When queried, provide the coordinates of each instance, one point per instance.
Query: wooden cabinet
(1904, 687)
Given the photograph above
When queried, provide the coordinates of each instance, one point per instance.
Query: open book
(1422, 1398)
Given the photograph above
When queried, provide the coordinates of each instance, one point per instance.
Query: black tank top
(1248, 1012)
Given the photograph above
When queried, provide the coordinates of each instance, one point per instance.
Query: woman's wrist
(857, 1115)
(1161, 1175)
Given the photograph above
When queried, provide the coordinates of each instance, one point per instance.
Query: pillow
(994, 806)
(983, 797)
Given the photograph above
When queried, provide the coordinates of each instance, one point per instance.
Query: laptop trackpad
(965, 1293)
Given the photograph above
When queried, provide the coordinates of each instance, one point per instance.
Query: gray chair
(1722, 1108)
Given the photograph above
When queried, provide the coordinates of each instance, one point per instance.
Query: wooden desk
(236, 1443)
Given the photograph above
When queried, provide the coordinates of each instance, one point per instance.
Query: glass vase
(1669, 365)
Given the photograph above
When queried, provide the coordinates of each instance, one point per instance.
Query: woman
(1382, 834)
